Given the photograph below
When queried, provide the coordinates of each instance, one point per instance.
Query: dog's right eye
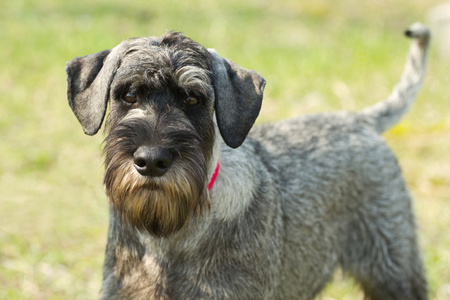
(191, 101)
(129, 97)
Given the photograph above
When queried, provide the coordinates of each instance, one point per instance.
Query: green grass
(316, 56)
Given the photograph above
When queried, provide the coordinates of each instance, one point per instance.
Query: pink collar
(214, 176)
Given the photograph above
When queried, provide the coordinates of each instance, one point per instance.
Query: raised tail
(387, 113)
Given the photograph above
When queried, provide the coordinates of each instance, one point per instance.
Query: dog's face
(163, 94)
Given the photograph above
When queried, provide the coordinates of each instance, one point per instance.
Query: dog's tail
(387, 113)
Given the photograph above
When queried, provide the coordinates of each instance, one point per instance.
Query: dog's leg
(380, 250)
(388, 266)
(392, 268)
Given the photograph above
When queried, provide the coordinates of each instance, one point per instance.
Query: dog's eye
(191, 101)
(129, 97)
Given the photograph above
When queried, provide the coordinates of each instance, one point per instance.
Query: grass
(316, 56)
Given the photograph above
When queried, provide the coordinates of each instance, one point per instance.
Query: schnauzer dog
(203, 208)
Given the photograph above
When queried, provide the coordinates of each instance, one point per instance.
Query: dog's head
(162, 95)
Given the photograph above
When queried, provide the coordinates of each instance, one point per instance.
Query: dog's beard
(159, 205)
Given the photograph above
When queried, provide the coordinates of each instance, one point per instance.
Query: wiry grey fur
(292, 201)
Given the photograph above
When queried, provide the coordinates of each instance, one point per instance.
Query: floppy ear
(238, 98)
(88, 82)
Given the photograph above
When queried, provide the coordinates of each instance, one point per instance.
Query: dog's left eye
(191, 101)
(129, 97)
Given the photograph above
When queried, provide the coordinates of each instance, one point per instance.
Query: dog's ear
(238, 98)
(88, 83)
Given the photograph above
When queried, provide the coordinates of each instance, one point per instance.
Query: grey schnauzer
(203, 207)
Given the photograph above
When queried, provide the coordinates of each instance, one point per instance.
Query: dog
(203, 206)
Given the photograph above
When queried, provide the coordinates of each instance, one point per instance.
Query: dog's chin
(154, 211)
(160, 207)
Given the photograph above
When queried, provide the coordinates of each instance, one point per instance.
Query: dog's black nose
(152, 161)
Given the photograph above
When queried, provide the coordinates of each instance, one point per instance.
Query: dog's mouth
(152, 185)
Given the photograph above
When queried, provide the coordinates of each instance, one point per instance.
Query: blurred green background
(316, 56)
